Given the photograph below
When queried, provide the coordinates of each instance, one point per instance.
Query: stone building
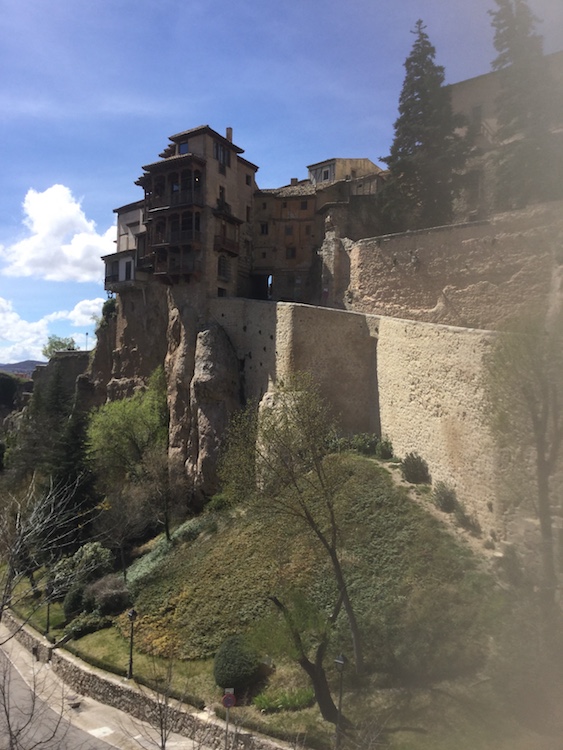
(289, 225)
(194, 224)
(476, 99)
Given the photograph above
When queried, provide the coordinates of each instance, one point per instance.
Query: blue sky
(91, 91)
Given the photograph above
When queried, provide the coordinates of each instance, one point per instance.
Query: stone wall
(418, 384)
(472, 275)
(142, 704)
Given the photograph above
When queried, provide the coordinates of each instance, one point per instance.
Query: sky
(91, 91)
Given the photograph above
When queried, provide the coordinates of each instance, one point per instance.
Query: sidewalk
(102, 722)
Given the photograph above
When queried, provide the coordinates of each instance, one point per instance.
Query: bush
(384, 449)
(467, 521)
(292, 700)
(236, 664)
(415, 469)
(91, 561)
(445, 498)
(87, 623)
(73, 602)
(108, 596)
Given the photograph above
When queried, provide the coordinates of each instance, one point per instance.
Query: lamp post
(340, 663)
(132, 615)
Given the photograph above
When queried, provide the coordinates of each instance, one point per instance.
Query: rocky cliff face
(162, 326)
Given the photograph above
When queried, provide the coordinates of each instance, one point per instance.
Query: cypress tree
(529, 159)
(428, 152)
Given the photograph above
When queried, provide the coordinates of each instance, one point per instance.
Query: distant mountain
(22, 368)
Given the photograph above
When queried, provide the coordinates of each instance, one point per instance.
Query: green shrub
(87, 623)
(364, 443)
(384, 449)
(445, 498)
(467, 521)
(415, 469)
(236, 664)
(90, 562)
(291, 700)
(73, 602)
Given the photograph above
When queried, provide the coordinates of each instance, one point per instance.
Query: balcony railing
(173, 263)
(228, 245)
(175, 198)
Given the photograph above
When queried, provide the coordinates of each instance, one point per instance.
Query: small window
(221, 292)
(248, 179)
(290, 253)
(326, 174)
(263, 255)
(248, 213)
(128, 271)
(304, 205)
(183, 148)
(264, 228)
(264, 206)
(289, 229)
(284, 204)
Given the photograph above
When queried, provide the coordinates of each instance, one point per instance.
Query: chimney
(229, 135)
(294, 180)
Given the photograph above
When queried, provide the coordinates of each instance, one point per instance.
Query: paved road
(28, 722)
(89, 726)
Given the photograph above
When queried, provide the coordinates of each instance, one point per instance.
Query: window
(221, 292)
(284, 204)
(248, 179)
(264, 228)
(248, 213)
(223, 269)
(290, 253)
(264, 206)
(304, 205)
(326, 174)
(183, 148)
(128, 271)
(222, 154)
(289, 229)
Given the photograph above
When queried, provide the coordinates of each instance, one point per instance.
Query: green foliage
(57, 344)
(364, 443)
(530, 162)
(109, 311)
(237, 462)
(236, 664)
(415, 469)
(89, 562)
(384, 449)
(272, 701)
(444, 497)
(73, 603)
(120, 432)
(87, 622)
(427, 154)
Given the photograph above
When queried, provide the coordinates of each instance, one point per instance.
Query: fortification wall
(472, 275)
(417, 383)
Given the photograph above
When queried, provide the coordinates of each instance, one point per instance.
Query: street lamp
(340, 663)
(132, 615)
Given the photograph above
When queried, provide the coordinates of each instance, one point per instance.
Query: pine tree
(529, 161)
(428, 151)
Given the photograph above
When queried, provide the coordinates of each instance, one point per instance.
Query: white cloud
(62, 245)
(21, 340)
(81, 314)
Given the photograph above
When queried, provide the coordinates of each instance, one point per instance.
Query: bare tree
(27, 722)
(36, 529)
(525, 389)
(282, 454)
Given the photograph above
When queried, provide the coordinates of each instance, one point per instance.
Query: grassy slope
(426, 608)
